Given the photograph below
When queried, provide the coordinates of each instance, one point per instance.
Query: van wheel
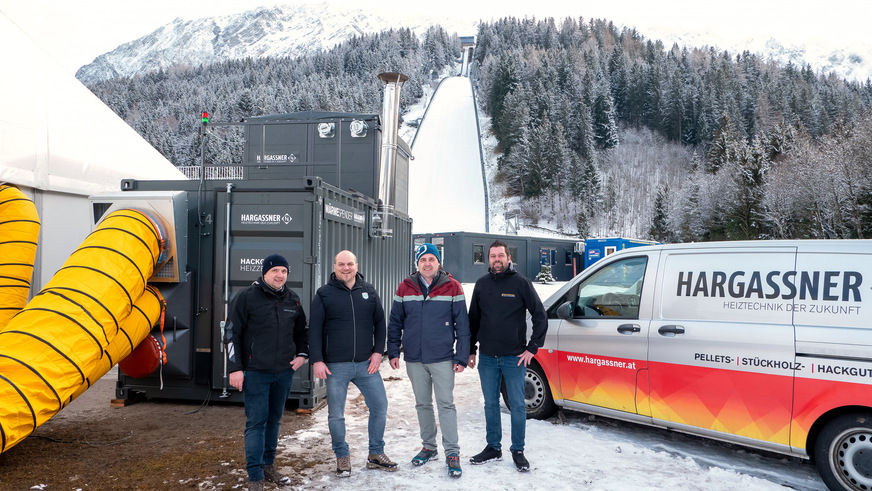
(537, 394)
(843, 452)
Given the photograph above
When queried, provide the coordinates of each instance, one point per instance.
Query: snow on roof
(56, 135)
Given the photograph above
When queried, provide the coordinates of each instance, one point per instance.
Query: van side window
(612, 291)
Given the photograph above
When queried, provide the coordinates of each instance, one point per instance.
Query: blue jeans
(373, 389)
(491, 370)
(264, 394)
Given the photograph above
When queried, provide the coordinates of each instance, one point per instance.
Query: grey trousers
(428, 379)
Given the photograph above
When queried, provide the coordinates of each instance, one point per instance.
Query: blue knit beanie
(427, 249)
(272, 261)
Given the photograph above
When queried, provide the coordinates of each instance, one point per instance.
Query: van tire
(537, 394)
(843, 452)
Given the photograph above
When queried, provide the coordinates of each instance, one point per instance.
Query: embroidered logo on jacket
(512, 295)
(365, 296)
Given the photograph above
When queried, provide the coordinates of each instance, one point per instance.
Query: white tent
(60, 144)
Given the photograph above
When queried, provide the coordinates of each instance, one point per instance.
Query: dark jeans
(373, 389)
(491, 370)
(265, 395)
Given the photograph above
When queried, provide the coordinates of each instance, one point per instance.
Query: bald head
(345, 267)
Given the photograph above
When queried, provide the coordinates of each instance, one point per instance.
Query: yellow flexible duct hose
(19, 231)
(74, 329)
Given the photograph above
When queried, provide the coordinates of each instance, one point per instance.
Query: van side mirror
(565, 311)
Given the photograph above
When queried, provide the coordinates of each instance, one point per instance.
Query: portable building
(464, 254)
(596, 249)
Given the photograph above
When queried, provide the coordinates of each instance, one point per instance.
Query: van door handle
(628, 328)
(670, 330)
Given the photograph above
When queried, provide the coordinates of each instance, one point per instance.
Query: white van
(766, 344)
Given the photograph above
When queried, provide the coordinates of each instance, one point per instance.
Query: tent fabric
(19, 232)
(91, 314)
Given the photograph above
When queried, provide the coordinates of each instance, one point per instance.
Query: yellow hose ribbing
(19, 231)
(76, 328)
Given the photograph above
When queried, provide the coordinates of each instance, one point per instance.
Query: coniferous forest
(600, 131)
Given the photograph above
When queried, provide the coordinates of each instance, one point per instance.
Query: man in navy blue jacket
(267, 342)
(346, 342)
(497, 322)
(428, 317)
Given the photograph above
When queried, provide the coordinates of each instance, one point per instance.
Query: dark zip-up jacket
(431, 327)
(498, 314)
(346, 325)
(267, 329)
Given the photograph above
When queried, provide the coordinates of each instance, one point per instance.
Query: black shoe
(520, 461)
(488, 454)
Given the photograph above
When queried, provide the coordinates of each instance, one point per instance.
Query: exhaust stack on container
(388, 155)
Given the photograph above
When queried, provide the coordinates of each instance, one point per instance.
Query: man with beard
(497, 322)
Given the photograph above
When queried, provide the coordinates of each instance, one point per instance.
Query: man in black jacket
(348, 339)
(267, 342)
(497, 321)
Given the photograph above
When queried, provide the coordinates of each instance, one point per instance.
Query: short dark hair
(499, 243)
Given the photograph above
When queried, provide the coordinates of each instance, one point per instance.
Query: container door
(722, 347)
(603, 347)
(261, 223)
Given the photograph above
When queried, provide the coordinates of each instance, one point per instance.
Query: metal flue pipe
(390, 122)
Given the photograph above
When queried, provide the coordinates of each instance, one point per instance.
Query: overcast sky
(76, 32)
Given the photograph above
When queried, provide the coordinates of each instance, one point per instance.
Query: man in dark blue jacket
(428, 317)
(267, 343)
(347, 342)
(497, 322)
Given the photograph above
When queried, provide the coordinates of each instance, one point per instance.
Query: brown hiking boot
(272, 475)
(343, 466)
(380, 461)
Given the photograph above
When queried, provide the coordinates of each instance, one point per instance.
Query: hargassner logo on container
(342, 213)
(276, 158)
(265, 218)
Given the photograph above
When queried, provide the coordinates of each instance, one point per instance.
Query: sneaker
(488, 454)
(424, 456)
(255, 485)
(272, 475)
(520, 461)
(380, 461)
(453, 462)
(343, 466)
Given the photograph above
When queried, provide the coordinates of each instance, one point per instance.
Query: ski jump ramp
(95, 310)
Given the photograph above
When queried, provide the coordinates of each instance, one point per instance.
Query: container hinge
(310, 260)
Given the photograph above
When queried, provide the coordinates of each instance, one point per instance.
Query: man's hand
(458, 368)
(525, 358)
(374, 362)
(395, 363)
(236, 379)
(297, 362)
(471, 362)
(320, 370)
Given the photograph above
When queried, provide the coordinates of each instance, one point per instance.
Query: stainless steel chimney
(390, 122)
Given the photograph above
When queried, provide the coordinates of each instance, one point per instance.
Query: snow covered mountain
(291, 30)
(850, 63)
(286, 30)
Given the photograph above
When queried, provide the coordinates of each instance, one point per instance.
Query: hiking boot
(424, 456)
(255, 485)
(272, 475)
(453, 462)
(520, 461)
(380, 461)
(343, 466)
(488, 454)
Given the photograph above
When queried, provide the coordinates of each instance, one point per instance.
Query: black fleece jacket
(498, 315)
(267, 329)
(346, 324)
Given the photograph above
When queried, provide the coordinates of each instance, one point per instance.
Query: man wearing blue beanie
(268, 341)
(429, 320)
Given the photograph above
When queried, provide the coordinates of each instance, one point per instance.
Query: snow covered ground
(584, 453)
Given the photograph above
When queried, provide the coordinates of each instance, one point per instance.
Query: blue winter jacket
(432, 328)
